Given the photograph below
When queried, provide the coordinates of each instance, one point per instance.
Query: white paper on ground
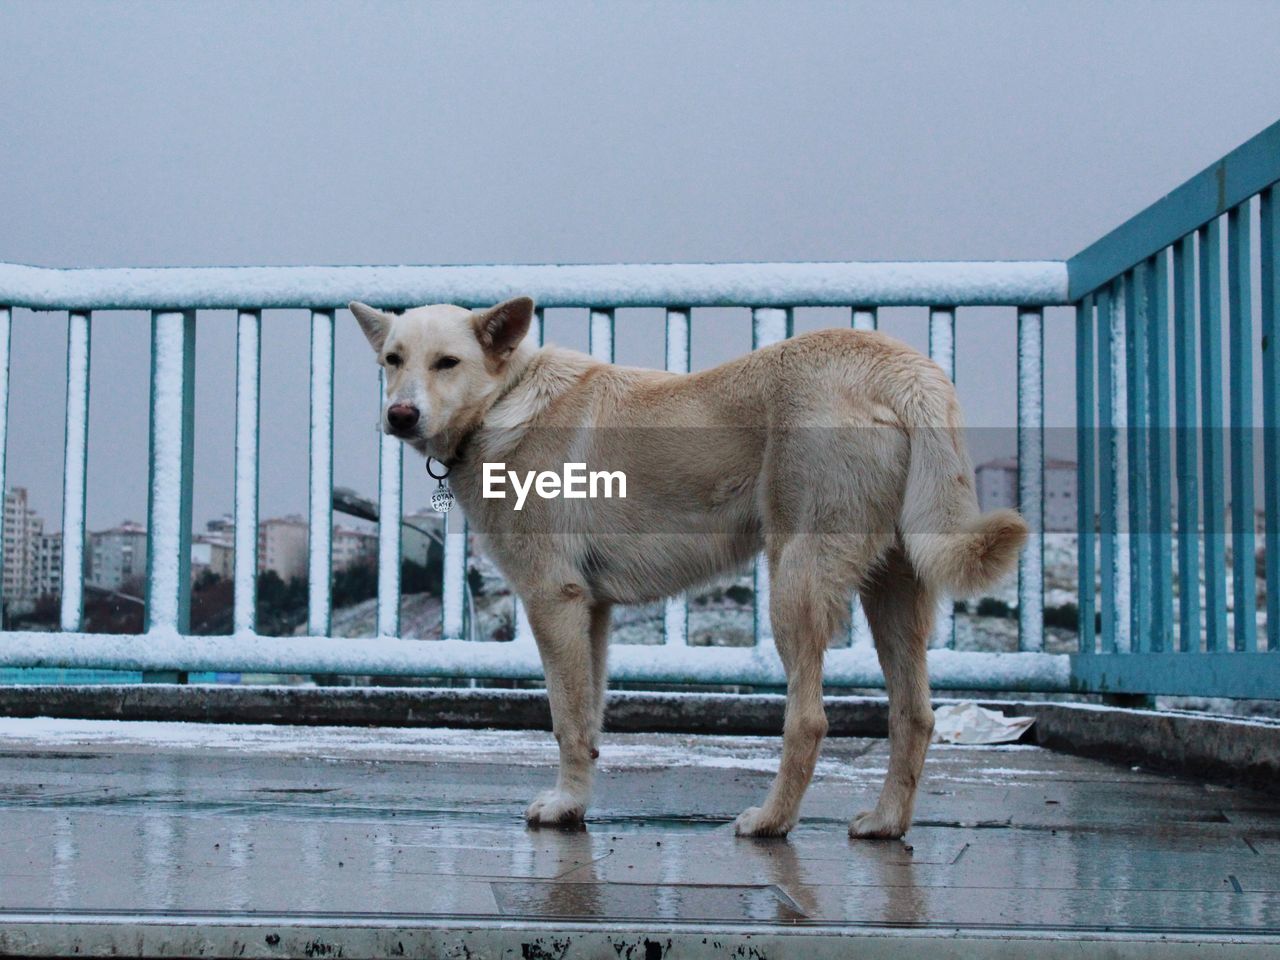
(970, 723)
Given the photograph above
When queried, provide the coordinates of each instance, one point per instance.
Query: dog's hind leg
(804, 614)
(900, 610)
(562, 627)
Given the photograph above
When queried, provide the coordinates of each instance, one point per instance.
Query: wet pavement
(229, 826)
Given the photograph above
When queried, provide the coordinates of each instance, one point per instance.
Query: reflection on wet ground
(303, 824)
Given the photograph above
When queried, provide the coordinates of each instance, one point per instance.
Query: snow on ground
(525, 748)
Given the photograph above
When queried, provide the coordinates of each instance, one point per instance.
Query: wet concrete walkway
(186, 840)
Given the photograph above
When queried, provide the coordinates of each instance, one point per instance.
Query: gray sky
(248, 133)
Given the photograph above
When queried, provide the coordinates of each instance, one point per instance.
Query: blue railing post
(1086, 474)
(74, 470)
(679, 327)
(1270, 296)
(1160, 473)
(320, 489)
(1212, 429)
(1108, 469)
(173, 336)
(5, 323)
(1243, 565)
(1137, 306)
(1184, 326)
(390, 485)
(1031, 477)
(942, 351)
(248, 382)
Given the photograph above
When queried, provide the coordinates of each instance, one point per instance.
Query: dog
(837, 453)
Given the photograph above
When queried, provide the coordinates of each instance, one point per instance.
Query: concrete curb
(1245, 752)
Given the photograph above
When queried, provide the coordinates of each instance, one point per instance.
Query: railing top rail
(1249, 168)
(882, 283)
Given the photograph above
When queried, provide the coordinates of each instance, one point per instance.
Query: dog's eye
(444, 363)
(393, 360)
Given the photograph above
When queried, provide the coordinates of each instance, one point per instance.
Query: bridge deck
(185, 840)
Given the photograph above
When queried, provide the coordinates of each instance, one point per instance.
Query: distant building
(117, 556)
(213, 555)
(282, 547)
(222, 528)
(998, 487)
(214, 551)
(46, 564)
(351, 547)
(32, 558)
(20, 525)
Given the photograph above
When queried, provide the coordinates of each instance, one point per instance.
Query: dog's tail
(952, 546)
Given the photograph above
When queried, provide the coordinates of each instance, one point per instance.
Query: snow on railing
(961, 284)
(770, 290)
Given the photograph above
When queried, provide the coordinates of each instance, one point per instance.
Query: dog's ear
(374, 323)
(500, 329)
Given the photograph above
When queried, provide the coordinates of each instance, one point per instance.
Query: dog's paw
(752, 822)
(874, 825)
(555, 808)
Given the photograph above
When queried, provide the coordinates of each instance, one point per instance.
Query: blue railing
(1149, 436)
(1155, 279)
(770, 291)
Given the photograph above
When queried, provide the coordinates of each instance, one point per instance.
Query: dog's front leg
(561, 625)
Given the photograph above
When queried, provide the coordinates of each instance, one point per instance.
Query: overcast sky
(251, 133)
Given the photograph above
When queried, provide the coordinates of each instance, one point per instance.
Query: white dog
(839, 453)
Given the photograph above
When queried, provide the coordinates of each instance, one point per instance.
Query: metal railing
(1146, 545)
(1170, 468)
(770, 291)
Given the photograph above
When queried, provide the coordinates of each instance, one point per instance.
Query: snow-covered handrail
(167, 652)
(882, 283)
(174, 295)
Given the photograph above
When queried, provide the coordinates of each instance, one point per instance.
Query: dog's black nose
(402, 416)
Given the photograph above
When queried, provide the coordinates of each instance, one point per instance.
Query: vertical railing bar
(320, 519)
(248, 383)
(1270, 296)
(1240, 319)
(1107, 533)
(536, 328)
(942, 350)
(1086, 456)
(1137, 307)
(769, 325)
(74, 468)
(524, 630)
(675, 620)
(453, 595)
(1031, 477)
(6, 316)
(1212, 429)
(1113, 496)
(1184, 334)
(864, 318)
(171, 471)
(1160, 476)
(600, 335)
(390, 509)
